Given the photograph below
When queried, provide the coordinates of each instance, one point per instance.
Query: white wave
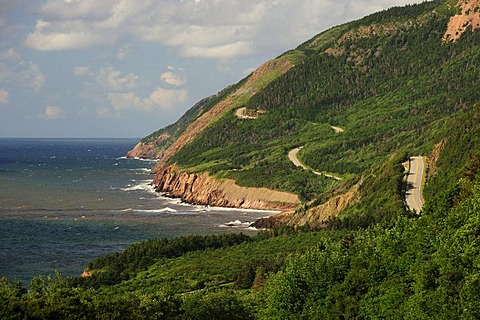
(142, 186)
(142, 170)
(146, 160)
(163, 210)
(236, 224)
(136, 158)
(244, 210)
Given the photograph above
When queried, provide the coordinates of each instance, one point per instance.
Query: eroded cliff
(200, 188)
(149, 149)
(469, 17)
(313, 217)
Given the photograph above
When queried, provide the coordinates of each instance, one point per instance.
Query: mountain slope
(392, 81)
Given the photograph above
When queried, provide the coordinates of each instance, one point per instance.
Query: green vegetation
(397, 92)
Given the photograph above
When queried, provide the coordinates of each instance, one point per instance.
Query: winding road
(242, 114)
(293, 156)
(413, 195)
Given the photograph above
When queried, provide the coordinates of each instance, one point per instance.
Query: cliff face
(148, 150)
(313, 217)
(458, 24)
(200, 188)
(319, 215)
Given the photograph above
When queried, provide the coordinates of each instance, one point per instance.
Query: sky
(126, 68)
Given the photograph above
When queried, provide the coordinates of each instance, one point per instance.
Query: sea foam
(142, 186)
(163, 210)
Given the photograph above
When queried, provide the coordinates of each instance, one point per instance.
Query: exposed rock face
(275, 221)
(431, 169)
(317, 216)
(314, 217)
(143, 150)
(458, 24)
(86, 274)
(148, 150)
(200, 188)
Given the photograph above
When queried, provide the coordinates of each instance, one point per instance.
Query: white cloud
(159, 99)
(11, 55)
(72, 35)
(83, 71)
(172, 78)
(107, 113)
(207, 29)
(14, 69)
(229, 50)
(114, 80)
(167, 99)
(53, 113)
(123, 52)
(31, 76)
(4, 96)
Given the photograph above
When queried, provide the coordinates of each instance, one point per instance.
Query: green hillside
(388, 80)
(359, 99)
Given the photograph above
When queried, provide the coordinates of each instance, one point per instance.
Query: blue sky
(125, 68)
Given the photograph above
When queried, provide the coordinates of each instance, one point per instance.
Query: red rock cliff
(200, 188)
(469, 17)
(148, 150)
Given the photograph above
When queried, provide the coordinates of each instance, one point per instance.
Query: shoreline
(202, 189)
(181, 201)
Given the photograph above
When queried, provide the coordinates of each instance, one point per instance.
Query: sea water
(64, 202)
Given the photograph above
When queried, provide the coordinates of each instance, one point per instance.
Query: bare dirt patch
(458, 24)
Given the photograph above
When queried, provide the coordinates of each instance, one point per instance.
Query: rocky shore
(200, 188)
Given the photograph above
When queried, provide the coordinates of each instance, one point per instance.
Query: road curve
(293, 156)
(413, 195)
(242, 114)
(337, 129)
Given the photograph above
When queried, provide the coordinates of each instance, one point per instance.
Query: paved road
(241, 114)
(292, 155)
(414, 197)
(337, 129)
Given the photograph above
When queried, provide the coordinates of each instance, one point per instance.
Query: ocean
(64, 202)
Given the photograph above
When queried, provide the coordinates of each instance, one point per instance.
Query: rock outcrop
(458, 24)
(432, 168)
(149, 149)
(276, 221)
(200, 188)
(314, 217)
(319, 215)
